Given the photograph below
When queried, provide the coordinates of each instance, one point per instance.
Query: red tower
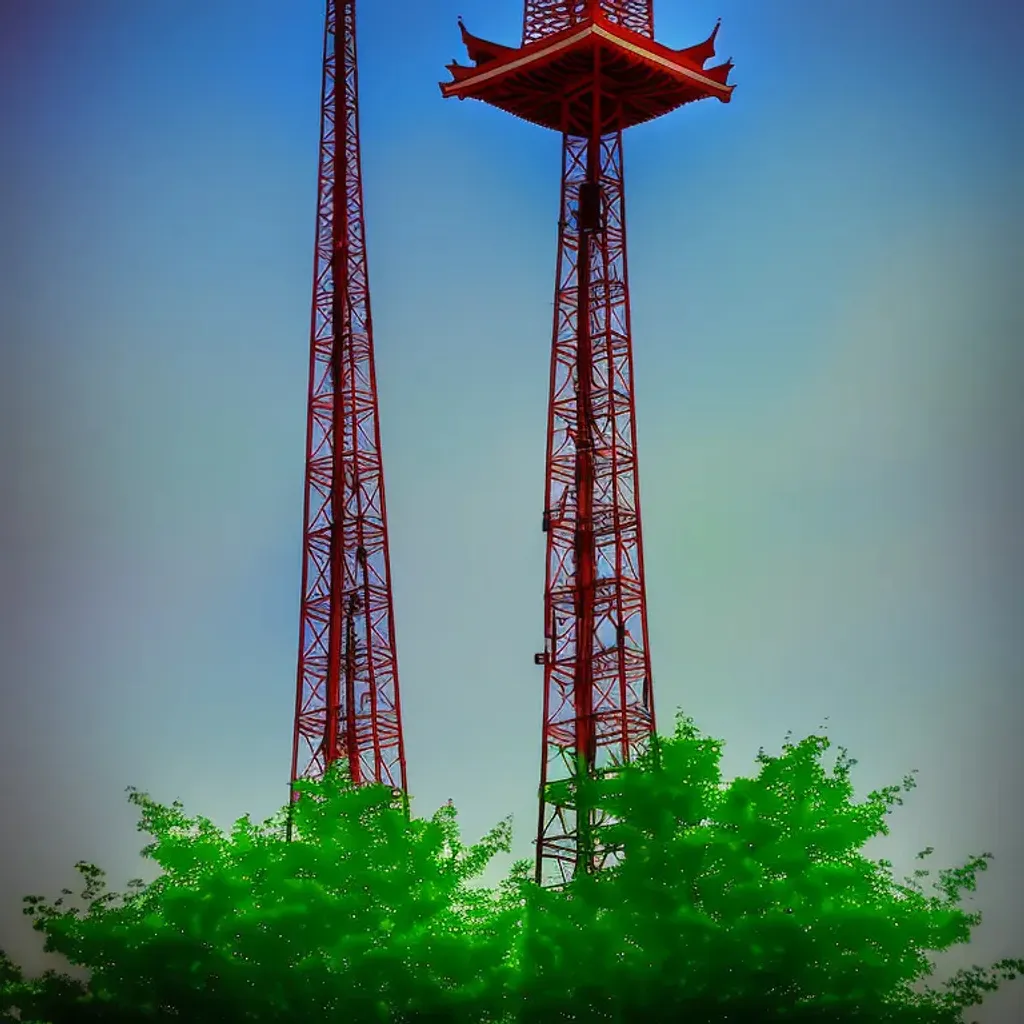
(589, 69)
(347, 703)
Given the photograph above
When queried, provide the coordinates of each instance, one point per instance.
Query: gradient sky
(827, 306)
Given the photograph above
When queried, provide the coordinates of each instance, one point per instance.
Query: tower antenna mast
(589, 69)
(347, 698)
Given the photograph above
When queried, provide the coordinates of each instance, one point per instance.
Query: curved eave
(702, 52)
(473, 81)
(481, 50)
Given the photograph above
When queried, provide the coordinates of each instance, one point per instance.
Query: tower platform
(553, 81)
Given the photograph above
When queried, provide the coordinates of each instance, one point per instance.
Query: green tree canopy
(724, 903)
(365, 915)
(747, 901)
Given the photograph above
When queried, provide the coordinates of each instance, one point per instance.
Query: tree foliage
(364, 915)
(726, 903)
(748, 901)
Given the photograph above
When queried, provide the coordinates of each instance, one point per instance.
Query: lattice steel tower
(347, 701)
(589, 69)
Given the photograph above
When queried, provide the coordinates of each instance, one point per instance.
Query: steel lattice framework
(546, 17)
(598, 700)
(598, 704)
(347, 698)
(589, 69)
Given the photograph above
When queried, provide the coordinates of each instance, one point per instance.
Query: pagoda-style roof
(553, 81)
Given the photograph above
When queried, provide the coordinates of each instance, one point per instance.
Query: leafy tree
(365, 915)
(747, 901)
(741, 903)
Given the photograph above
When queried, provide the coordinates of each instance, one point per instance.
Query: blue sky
(827, 321)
